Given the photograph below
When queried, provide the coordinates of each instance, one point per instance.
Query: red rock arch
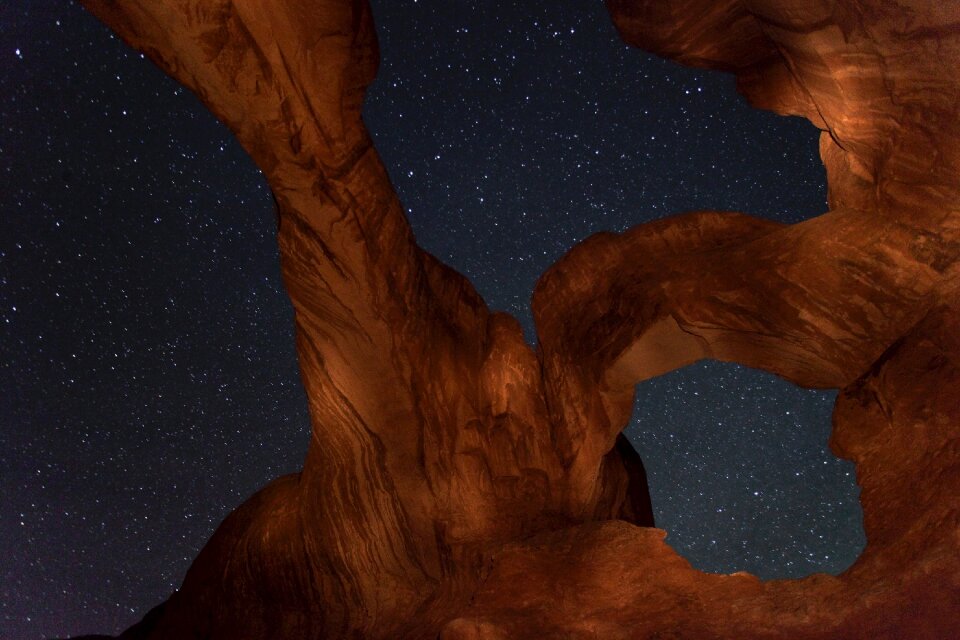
(442, 442)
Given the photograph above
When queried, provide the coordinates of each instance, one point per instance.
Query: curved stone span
(458, 482)
(897, 422)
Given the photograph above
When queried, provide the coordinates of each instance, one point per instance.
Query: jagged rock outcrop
(460, 484)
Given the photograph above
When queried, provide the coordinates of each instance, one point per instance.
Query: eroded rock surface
(457, 482)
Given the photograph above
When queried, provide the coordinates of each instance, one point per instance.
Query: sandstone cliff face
(442, 443)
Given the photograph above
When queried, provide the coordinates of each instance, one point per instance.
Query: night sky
(148, 381)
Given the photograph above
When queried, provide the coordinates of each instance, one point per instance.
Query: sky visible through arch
(148, 381)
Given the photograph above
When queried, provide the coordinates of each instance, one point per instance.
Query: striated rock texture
(460, 485)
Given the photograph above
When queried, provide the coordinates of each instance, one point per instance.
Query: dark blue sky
(148, 381)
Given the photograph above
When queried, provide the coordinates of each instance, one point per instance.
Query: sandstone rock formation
(459, 484)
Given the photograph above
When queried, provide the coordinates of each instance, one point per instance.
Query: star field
(148, 380)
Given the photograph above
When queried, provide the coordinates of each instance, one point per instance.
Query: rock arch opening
(741, 475)
(514, 131)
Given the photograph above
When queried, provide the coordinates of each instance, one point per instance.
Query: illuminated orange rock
(459, 484)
